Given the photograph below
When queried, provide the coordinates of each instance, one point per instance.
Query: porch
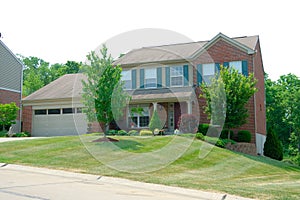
(170, 104)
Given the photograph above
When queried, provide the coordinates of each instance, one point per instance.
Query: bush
(3, 133)
(145, 132)
(273, 147)
(112, 132)
(22, 134)
(203, 128)
(188, 123)
(200, 136)
(215, 141)
(224, 134)
(244, 136)
(122, 132)
(155, 122)
(133, 133)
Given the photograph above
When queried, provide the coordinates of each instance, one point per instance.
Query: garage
(58, 121)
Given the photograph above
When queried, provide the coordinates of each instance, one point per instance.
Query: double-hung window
(138, 119)
(126, 77)
(208, 72)
(150, 78)
(176, 75)
(237, 65)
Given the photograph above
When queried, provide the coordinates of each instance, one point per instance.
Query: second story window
(237, 65)
(126, 77)
(150, 78)
(176, 75)
(208, 72)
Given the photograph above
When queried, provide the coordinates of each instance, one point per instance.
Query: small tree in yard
(8, 114)
(227, 97)
(273, 147)
(103, 92)
(155, 122)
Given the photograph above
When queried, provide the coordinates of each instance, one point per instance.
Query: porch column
(154, 106)
(189, 107)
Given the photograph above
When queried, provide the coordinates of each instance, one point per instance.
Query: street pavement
(23, 183)
(31, 183)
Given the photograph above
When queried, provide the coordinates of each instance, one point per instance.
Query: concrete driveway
(23, 183)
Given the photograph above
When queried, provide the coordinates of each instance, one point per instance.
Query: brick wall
(9, 96)
(220, 52)
(27, 119)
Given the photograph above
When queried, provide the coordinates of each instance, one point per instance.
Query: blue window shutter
(133, 78)
(226, 64)
(159, 78)
(168, 76)
(217, 65)
(186, 74)
(199, 74)
(245, 67)
(142, 77)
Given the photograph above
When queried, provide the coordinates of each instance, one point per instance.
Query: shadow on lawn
(127, 145)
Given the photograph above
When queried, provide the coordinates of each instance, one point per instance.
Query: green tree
(282, 107)
(273, 147)
(8, 114)
(103, 92)
(155, 122)
(38, 73)
(227, 96)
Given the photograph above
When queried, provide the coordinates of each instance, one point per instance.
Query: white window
(126, 77)
(150, 78)
(208, 72)
(237, 65)
(176, 75)
(138, 116)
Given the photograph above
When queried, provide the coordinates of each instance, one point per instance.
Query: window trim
(203, 75)
(240, 70)
(128, 73)
(138, 116)
(145, 78)
(173, 76)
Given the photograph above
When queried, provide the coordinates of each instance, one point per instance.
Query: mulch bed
(106, 139)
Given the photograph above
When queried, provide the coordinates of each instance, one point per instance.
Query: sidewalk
(23, 182)
(8, 139)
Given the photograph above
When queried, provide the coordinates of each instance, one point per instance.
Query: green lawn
(221, 170)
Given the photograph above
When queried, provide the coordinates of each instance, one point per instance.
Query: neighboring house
(11, 70)
(166, 78)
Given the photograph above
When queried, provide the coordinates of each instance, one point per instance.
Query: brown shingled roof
(174, 52)
(67, 86)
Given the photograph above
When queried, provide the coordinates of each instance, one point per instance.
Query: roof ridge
(174, 44)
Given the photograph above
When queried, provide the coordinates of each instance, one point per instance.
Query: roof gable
(238, 42)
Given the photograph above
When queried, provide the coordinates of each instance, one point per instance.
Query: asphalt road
(24, 183)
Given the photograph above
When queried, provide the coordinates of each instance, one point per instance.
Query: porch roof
(162, 94)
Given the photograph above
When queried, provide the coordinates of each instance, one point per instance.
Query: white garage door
(58, 122)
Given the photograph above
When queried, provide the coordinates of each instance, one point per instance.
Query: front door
(171, 117)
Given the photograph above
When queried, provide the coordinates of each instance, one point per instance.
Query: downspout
(21, 92)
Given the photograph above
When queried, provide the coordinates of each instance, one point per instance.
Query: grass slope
(221, 170)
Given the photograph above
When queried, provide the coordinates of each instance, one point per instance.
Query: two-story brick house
(10, 80)
(166, 78)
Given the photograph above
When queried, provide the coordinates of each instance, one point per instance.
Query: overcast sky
(61, 30)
